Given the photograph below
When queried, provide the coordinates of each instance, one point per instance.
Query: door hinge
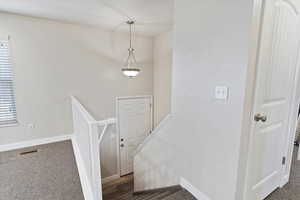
(283, 160)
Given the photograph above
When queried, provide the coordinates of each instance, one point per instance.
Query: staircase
(122, 189)
(177, 193)
(85, 141)
(174, 193)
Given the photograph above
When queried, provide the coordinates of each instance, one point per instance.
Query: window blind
(8, 114)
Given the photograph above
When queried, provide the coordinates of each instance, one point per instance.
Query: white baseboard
(284, 180)
(194, 191)
(85, 185)
(30, 143)
(111, 178)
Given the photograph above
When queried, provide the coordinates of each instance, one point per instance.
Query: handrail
(106, 123)
(88, 133)
(89, 118)
(85, 142)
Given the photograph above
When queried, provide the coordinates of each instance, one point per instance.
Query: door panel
(277, 63)
(134, 120)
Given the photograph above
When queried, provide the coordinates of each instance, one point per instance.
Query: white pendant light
(131, 68)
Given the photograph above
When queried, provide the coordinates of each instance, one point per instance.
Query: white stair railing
(105, 123)
(86, 141)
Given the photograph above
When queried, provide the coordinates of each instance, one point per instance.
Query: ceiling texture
(152, 16)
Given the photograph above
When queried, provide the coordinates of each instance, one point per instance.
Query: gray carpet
(291, 191)
(49, 174)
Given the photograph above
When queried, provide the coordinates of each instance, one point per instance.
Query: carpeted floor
(48, 174)
(291, 191)
(51, 174)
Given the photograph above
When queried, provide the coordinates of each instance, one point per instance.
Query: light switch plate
(221, 92)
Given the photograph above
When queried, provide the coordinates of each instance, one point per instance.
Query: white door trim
(298, 157)
(292, 128)
(247, 125)
(118, 124)
(254, 42)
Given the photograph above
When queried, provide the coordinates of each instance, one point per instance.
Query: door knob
(122, 145)
(259, 117)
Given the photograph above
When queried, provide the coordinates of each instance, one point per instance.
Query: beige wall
(108, 152)
(201, 141)
(54, 60)
(162, 64)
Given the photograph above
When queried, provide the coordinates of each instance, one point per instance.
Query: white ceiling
(152, 16)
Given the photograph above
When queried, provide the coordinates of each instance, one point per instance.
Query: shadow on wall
(108, 152)
(162, 171)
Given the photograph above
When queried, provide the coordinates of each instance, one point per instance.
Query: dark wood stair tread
(123, 190)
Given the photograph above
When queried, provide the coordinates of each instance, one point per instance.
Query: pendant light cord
(130, 23)
(131, 57)
(130, 41)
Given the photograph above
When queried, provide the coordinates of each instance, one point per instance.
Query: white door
(135, 123)
(276, 69)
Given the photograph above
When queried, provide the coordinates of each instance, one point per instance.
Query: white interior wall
(108, 153)
(162, 69)
(53, 60)
(201, 142)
